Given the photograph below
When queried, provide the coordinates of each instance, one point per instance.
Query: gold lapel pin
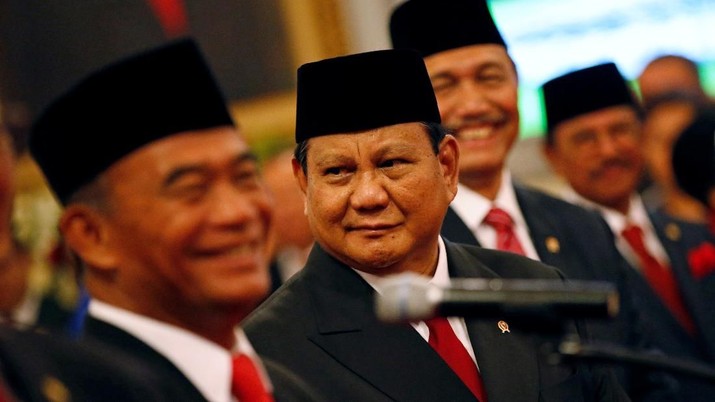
(672, 231)
(503, 326)
(552, 244)
(54, 390)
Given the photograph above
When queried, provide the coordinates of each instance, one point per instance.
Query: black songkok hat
(433, 26)
(694, 156)
(584, 91)
(114, 111)
(362, 92)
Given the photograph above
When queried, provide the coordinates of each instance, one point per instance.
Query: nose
(232, 207)
(469, 100)
(607, 145)
(369, 193)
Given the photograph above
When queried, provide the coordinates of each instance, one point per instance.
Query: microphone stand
(571, 350)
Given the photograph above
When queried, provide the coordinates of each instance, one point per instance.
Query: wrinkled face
(476, 89)
(188, 222)
(599, 154)
(660, 130)
(376, 199)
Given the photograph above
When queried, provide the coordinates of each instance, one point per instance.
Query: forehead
(213, 145)
(597, 119)
(407, 135)
(466, 59)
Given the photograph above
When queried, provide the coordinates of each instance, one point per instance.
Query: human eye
(442, 83)
(393, 162)
(584, 138)
(334, 171)
(246, 173)
(189, 187)
(492, 75)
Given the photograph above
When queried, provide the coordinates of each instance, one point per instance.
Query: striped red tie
(246, 383)
(504, 226)
(445, 342)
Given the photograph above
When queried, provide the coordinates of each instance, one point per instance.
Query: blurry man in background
(168, 215)
(594, 142)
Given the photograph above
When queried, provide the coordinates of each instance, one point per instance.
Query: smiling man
(594, 142)
(165, 208)
(378, 172)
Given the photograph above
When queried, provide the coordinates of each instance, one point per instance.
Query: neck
(214, 323)
(486, 185)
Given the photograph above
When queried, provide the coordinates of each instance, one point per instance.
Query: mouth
(475, 133)
(241, 254)
(373, 228)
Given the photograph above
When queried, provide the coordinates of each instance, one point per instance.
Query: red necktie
(246, 384)
(444, 341)
(504, 226)
(4, 391)
(659, 277)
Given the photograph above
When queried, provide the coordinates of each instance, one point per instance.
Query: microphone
(411, 297)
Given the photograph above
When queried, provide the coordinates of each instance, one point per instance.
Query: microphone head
(407, 297)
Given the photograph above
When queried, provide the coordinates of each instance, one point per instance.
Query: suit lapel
(544, 235)
(118, 339)
(677, 239)
(392, 358)
(454, 229)
(501, 355)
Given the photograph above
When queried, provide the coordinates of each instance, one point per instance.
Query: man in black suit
(378, 172)
(475, 82)
(594, 142)
(40, 367)
(164, 206)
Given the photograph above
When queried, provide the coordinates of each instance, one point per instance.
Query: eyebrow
(446, 74)
(182, 171)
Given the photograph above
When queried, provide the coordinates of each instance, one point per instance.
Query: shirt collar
(440, 278)
(637, 213)
(206, 364)
(472, 207)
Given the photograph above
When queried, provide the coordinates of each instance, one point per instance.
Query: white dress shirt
(472, 208)
(206, 364)
(440, 278)
(637, 215)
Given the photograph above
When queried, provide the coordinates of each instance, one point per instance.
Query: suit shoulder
(504, 264)
(554, 204)
(290, 300)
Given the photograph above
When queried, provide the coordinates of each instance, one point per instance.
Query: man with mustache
(378, 173)
(475, 82)
(593, 141)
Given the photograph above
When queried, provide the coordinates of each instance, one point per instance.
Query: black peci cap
(584, 91)
(363, 91)
(432, 26)
(112, 112)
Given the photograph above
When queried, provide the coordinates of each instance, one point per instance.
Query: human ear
(86, 232)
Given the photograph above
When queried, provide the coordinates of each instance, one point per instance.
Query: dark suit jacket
(321, 324)
(677, 238)
(287, 386)
(581, 245)
(39, 368)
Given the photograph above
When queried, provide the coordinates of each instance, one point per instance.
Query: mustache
(491, 118)
(615, 162)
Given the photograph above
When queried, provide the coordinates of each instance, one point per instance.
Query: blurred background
(255, 46)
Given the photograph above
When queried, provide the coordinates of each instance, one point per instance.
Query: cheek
(325, 205)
